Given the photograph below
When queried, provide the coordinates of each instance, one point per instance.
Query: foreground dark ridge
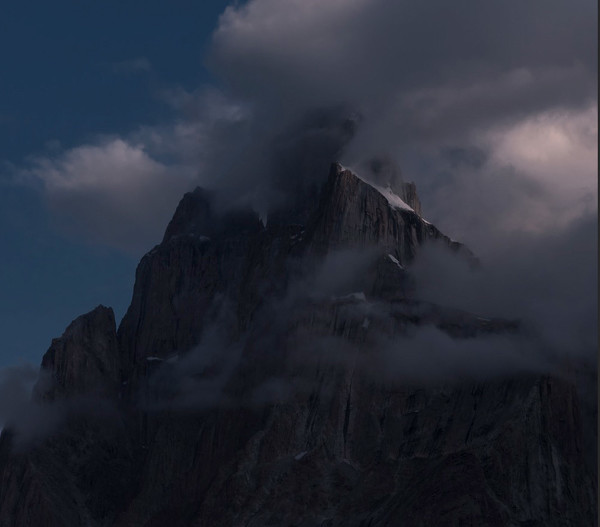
(243, 392)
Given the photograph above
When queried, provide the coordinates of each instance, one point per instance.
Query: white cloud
(113, 192)
(122, 191)
(557, 147)
(558, 150)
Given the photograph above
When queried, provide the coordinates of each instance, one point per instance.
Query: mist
(27, 419)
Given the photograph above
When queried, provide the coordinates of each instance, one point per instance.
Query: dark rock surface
(85, 360)
(293, 422)
(353, 214)
(408, 193)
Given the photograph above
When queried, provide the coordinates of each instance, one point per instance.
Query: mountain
(264, 374)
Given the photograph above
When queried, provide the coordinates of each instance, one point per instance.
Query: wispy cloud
(121, 191)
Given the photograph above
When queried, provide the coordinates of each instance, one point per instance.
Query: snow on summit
(393, 199)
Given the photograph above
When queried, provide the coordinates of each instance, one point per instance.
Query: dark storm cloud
(427, 78)
(509, 56)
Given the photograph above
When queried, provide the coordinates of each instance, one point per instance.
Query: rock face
(354, 214)
(85, 360)
(249, 390)
(409, 194)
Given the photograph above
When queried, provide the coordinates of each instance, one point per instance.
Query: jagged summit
(394, 200)
(194, 215)
(356, 213)
(400, 195)
(366, 212)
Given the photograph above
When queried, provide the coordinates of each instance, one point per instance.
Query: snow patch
(153, 359)
(300, 455)
(393, 199)
(395, 260)
(366, 323)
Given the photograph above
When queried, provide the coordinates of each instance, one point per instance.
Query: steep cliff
(85, 360)
(252, 384)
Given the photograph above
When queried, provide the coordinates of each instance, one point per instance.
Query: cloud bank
(472, 100)
(514, 83)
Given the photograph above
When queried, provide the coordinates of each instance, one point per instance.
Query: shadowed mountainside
(246, 386)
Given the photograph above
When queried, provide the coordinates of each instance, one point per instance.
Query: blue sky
(72, 70)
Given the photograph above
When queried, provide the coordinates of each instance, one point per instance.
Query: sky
(110, 111)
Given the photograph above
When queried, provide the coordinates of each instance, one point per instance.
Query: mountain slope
(256, 388)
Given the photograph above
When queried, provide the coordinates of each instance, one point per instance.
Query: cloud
(427, 79)
(534, 175)
(430, 355)
(557, 148)
(368, 52)
(548, 282)
(304, 82)
(115, 190)
(122, 191)
(28, 420)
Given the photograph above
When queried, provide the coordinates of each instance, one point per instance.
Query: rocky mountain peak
(197, 216)
(385, 173)
(355, 212)
(262, 377)
(194, 215)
